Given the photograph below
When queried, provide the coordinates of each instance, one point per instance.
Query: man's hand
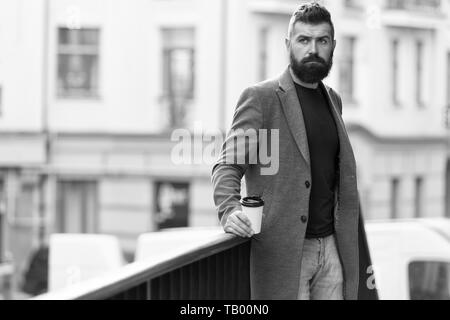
(238, 224)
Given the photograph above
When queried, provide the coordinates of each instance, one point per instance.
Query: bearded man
(308, 245)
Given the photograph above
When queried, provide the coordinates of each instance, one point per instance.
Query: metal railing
(216, 269)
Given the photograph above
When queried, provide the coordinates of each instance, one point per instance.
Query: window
(27, 203)
(1, 100)
(429, 280)
(419, 73)
(347, 68)
(78, 63)
(263, 34)
(395, 183)
(395, 53)
(418, 197)
(77, 206)
(172, 204)
(178, 72)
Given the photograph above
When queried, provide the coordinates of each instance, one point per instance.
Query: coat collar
(285, 81)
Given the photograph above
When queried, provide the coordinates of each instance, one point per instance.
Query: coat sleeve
(238, 152)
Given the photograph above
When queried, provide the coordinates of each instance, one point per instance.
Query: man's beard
(311, 72)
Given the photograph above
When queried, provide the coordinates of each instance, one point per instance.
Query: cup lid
(252, 202)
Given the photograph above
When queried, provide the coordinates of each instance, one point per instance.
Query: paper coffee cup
(253, 207)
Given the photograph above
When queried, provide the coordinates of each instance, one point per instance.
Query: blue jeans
(321, 276)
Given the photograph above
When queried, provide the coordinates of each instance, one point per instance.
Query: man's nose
(313, 47)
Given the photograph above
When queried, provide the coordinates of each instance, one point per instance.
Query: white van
(411, 258)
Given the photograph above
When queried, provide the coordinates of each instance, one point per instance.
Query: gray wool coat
(276, 252)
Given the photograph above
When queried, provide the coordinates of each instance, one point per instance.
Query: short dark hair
(311, 13)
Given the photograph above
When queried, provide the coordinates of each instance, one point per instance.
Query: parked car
(411, 258)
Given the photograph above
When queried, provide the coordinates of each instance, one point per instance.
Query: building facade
(91, 91)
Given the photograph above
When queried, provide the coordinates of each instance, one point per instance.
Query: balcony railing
(414, 5)
(218, 269)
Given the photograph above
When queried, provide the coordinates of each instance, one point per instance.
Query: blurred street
(112, 113)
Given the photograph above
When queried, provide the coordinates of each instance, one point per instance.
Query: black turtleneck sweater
(323, 144)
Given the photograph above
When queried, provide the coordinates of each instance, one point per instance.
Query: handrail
(147, 279)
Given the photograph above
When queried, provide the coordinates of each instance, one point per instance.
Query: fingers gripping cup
(253, 207)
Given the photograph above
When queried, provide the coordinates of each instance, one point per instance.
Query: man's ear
(334, 44)
(287, 42)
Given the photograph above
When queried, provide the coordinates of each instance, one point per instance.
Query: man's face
(311, 50)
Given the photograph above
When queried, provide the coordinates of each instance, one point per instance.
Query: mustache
(313, 58)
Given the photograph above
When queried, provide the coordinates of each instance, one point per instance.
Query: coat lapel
(293, 112)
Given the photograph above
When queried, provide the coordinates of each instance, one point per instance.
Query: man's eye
(324, 41)
(303, 41)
